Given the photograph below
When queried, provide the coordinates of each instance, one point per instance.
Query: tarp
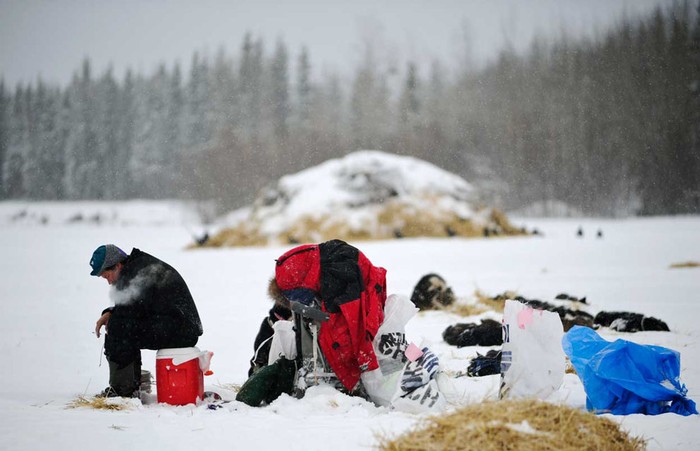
(622, 377)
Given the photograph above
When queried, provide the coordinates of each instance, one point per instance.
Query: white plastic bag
(405, 379)
(532, 361)
(283, 342)
(426, 398)
(390, 344)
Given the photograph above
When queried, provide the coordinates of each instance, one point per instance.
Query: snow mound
(359, 179)
(364, 195)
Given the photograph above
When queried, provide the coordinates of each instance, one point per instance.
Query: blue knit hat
(104, 257)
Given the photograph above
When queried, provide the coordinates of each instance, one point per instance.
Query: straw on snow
(98, 403)
(515, 425)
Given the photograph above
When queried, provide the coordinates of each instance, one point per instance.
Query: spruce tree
(4, 132)
(280, 95)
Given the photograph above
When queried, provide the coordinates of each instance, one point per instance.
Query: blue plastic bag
(622, 377)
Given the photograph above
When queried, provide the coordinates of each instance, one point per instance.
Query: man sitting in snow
(153, 309)
(341, 281)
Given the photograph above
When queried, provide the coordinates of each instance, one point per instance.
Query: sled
(312, 367)
(300, 365)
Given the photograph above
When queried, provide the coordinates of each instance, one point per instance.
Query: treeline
(609, 125)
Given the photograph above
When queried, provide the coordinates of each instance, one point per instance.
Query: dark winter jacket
(150, 288)
(351, 289)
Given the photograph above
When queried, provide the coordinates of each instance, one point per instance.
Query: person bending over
(153, 309)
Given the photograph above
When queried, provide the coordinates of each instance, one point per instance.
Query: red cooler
(180, 375)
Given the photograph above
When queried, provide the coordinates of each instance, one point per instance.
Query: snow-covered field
(49, 305)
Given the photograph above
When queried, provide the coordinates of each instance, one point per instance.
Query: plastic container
(180, 375)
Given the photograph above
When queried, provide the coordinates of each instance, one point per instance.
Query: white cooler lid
(169, 353)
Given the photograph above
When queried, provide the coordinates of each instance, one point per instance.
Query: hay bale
(245, 234)
(413, 222)
(515, 425)
(315, 229)
(504, 225)
(688, 264)
(389, 220)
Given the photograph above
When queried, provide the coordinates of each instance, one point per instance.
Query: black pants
(128, 334)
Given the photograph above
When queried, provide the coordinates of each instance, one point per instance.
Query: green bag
(268, 383)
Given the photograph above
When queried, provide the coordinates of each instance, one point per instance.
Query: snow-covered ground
(49, 305)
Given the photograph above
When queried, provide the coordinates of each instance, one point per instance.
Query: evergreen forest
(609, 125)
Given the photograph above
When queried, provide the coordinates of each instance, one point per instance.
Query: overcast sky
(49, 38)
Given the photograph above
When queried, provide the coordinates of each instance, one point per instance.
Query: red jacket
(351, 290)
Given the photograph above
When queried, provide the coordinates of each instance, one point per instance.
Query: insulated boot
(107, 393)
(123, 380)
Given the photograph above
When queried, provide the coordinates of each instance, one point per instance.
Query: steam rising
(151, 276)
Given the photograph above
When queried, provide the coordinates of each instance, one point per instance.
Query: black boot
(123, 380)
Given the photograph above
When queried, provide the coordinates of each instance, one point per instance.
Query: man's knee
(160, 335)
(121, 350)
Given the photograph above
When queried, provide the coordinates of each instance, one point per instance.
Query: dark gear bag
(268, 383)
